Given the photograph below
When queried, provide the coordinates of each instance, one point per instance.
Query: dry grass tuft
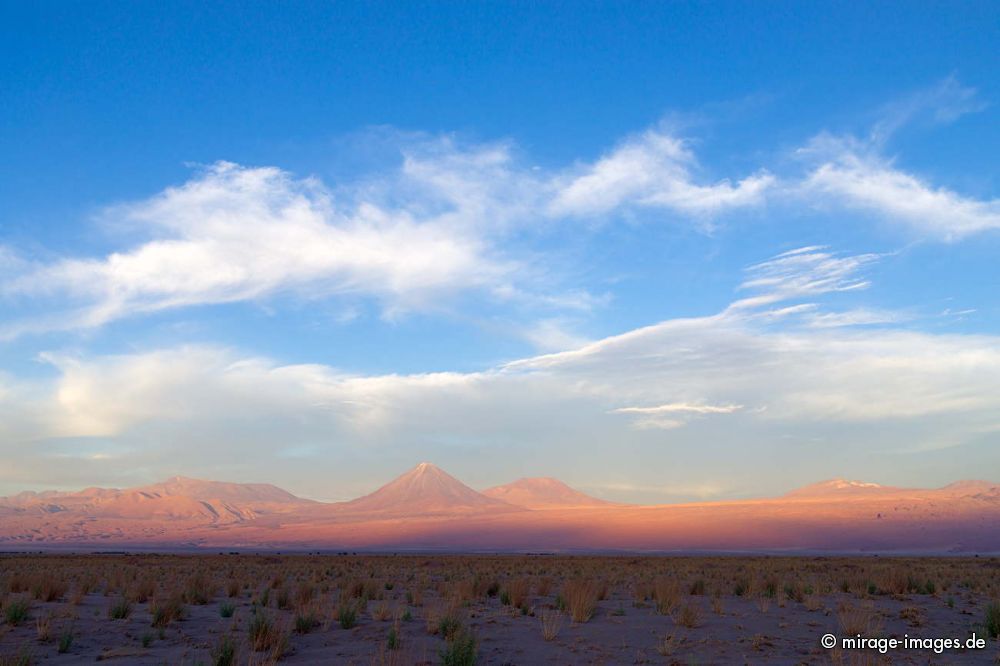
(267, 635)
(381, 612)
(856, 620)
(516, 592)
(689, 615)
(580, 597)
(551, 624)
(667, 593)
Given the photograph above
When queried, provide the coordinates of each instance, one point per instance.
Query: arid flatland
(487, 609)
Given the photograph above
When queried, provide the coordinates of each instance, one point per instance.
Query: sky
(662, 251)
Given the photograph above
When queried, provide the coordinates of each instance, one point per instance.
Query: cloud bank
(672, 383)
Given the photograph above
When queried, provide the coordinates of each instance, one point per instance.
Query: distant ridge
(845, 488)
(220, 490)
(543, 493)
(177, 486)
(428, 509)
(841, 488)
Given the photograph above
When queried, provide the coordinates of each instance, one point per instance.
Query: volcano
(426, 489)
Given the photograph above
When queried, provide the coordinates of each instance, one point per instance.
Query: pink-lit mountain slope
(542, 493)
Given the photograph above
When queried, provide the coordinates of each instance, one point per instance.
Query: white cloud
(852, 175)
(652, 170)
(235, 234)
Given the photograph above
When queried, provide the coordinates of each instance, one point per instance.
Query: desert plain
(489, 609)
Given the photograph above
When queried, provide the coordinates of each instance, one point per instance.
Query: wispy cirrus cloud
(802, 273)
(943, 102)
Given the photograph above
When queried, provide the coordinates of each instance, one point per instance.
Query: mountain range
(428, 509)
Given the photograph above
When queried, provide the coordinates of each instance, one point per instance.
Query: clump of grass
(667, 645)
(913, 615)
(717, 607)
(580, 597)
(65, 641)
(306, 621)
(697, 588)
(48, 588)
(857, 620)
(16, 611)
(168, 610)
(381, 612)
(198, 591)
(305, 593)
(394, 641)
(120, 609)
(43, 628)
(991, 623)
(516, 592)
(347, 615)
(142, 591)
(667, 594)
(24, 657)
(147, 639)
(551, 624)
(265, 635)
(794, 592)
(226, 609)
(461, 650)
(689, 615)
(915, 586)
(233, 588)
(224, 652)
(449, 624)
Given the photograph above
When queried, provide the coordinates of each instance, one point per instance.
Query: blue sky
(663, 251)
